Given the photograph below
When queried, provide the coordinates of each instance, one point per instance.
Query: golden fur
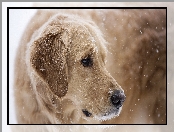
(136, 59)
(55, 87)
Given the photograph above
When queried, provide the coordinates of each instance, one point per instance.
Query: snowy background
(17, 23)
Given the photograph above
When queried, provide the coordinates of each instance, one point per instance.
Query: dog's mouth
(105, 116)
(86, 113)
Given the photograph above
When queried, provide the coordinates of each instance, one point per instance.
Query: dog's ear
(48, 58)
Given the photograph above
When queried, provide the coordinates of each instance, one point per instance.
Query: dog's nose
(117, 98)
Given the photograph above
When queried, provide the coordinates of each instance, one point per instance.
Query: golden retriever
(60, 74)
(61, 70)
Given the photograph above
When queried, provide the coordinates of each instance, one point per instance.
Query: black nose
(117, 98)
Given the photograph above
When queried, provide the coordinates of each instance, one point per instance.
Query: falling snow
(157, 50)
(170, 74)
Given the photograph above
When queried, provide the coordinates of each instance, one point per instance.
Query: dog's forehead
(87, 40)
(84, 36)
(84, 42)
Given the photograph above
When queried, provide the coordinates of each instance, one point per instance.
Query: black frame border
(8, 8)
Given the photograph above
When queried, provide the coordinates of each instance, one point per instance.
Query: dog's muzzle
(117, 98)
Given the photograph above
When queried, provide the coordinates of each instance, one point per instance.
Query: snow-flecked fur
(136, 59)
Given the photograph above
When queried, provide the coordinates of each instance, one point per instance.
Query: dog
(135, 44)
(60, 75)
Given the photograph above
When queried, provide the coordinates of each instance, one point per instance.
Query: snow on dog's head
(69, 57)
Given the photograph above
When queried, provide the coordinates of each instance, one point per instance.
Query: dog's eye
(87, 62)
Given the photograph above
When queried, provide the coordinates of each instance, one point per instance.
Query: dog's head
(69, 57)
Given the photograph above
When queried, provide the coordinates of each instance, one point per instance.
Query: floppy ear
(48, 58)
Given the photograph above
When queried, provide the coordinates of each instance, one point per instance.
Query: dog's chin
(109, 115)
